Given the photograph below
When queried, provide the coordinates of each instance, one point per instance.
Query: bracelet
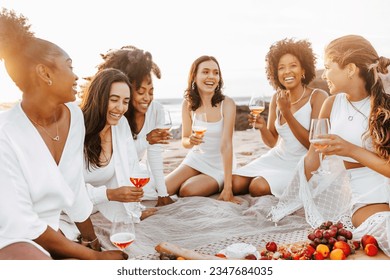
(83, 242)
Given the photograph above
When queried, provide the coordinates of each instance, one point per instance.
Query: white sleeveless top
(349, 123)
(210, 162)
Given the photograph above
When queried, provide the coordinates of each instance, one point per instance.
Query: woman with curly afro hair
(290, 68)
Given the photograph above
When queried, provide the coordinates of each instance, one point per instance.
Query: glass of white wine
(199, 126)
(318, 128)
(256, 106)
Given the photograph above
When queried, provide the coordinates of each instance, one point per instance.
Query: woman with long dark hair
(204, 174)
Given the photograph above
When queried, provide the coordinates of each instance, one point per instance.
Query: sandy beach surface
(248, 145)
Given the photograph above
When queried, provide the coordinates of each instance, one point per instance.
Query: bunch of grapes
(328, 233)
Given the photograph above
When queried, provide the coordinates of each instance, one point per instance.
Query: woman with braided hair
(41, 152)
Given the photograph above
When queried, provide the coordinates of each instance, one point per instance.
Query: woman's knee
(240, 184)
(259, 187)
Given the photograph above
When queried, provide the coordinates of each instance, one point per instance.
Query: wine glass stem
(320, 167)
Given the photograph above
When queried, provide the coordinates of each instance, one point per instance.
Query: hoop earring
(49, 82)
(193, 85)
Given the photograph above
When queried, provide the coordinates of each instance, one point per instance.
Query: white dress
(210, 162)
(154, 118)
(278, 165)
(34, 190)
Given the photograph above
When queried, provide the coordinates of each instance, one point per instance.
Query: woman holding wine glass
(145, 115)
(359, 111)
(207, 173)
(109, 150)
(290, 68)
(359, 114)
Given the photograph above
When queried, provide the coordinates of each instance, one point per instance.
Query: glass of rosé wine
(141, 176)
(199, 127)
(122, 231)
(318, 128)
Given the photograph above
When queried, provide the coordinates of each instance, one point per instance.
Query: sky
(176, 32)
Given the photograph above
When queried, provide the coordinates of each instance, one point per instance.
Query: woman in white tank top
(360, 131)
(204, 174)
(290, 68)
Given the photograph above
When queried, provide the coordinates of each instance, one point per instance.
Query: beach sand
(248, 145)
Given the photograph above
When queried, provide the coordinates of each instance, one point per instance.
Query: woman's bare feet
(148, 212)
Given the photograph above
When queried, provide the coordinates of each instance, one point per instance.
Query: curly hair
(94, 106)
(138, 65)
(359, 51)
(301, 49)
(191, 94)
(21, 51)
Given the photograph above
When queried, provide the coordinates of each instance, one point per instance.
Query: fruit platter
(330, 241)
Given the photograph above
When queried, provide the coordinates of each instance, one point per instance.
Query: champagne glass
(199, 127)
(140, 177)
(166, 125)
(319, 127)
(122, 233)
(256, 106)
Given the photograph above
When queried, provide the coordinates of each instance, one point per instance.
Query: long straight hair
(94, 106)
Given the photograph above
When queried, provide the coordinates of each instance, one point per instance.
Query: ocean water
(173, 105)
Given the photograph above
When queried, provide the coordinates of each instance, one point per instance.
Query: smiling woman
(33, 135)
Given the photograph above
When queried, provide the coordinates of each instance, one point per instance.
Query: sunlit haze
(238, 33)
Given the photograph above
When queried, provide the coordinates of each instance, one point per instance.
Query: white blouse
(34, 190)
(153, 119)
(116, 174)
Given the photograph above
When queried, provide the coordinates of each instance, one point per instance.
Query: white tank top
(349, 123)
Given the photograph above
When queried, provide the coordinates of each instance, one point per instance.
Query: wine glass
(140, 177)
(166, 125)
(319, 127)
(122, 233)
(256, 106)
(199, 127)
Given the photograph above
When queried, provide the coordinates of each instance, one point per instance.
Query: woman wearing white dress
(290, 68)
(109, 151)
(41, 140)
(204, 174)
(145, 115)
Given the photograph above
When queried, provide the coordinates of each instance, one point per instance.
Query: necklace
(350, 117)
(299, 99)
(55, 138)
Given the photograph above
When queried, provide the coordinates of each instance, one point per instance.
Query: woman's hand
(283, 100)
(125, 194)
(196, 139)
(258, 121)
(226, 195)
(162, 201)
(334, 145)
(158, 136)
